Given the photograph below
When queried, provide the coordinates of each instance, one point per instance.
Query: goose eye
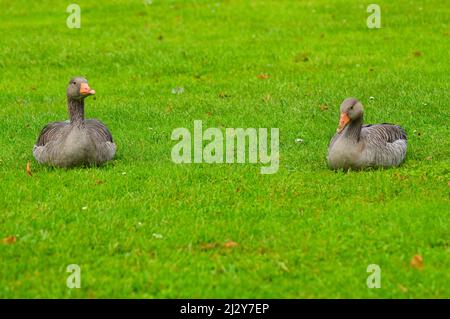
(351, 108)
(74, 82)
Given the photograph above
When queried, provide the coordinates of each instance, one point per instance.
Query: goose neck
(353, 130)
(76, 111)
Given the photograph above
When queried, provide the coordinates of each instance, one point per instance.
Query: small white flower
(298, 140)
(124, 173)
(371, 98)
(178, 90)
(84, 207)
(157, 236)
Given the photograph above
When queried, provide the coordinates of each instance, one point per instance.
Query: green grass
(304, 232)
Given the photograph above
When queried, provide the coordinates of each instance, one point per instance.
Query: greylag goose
(78, 141)
(359, 146)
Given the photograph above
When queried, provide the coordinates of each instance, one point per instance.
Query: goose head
(351, 110)
(78, 89)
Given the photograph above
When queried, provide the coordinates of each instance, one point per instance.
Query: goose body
(360, 146)
(78, 141)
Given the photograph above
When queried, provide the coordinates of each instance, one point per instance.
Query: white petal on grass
(157, 236)
(371, 98)
(299, 141)
(178, 90)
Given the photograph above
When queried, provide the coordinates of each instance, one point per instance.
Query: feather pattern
(49, 132)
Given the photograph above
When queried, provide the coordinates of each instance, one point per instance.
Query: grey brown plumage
(78, 141)
(359, 146)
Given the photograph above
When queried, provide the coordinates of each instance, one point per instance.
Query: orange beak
(343, 121)
(85, 89)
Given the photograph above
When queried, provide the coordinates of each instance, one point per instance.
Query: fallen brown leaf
(400, 176)
(207, 246)
(98, 182)
(263, 76)
(29, 169)
(224, 95)
(417, 262)
(417, 53)
(267, 98)
(403, 288)
(230, 244)
(301, 57)
(9, 240)
(323, 107)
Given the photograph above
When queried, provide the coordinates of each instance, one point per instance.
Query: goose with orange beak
(76, 142)
(358, 146)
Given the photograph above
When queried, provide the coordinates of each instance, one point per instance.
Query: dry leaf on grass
(267, 98)
(301, 57)
(263, 76)
(224, 95)
(29, 169)
(207, 246)
(403, 288)
(417, 262)
(230, 244)
(9, 240)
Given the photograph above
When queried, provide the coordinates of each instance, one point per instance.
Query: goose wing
(333, 140)
(99, 130)
(385, 144)
(50, 132)
(381, 134)
(102, 138)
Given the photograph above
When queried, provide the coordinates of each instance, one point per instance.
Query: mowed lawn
(144, 227)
